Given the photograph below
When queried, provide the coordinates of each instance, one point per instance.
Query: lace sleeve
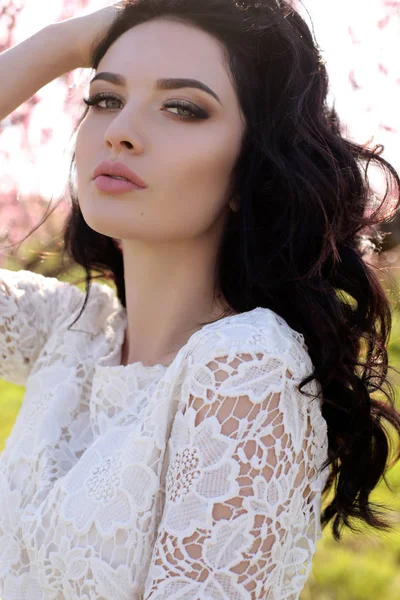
(29, 304)
(242, 497)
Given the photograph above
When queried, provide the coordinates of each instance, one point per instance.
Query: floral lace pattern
(194, 481)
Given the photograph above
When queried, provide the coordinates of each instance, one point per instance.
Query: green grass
(11, 400)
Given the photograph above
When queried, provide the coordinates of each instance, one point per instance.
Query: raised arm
(54, 50)
(33, 63)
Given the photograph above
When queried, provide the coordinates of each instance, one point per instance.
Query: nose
(119, 134)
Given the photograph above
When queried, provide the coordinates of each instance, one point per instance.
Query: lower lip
(116, 186)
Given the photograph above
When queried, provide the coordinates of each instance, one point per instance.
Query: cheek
(209, 164)
(87, 151)
(198, 180)
(83, 152)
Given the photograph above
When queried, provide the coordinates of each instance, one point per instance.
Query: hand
(88, 28)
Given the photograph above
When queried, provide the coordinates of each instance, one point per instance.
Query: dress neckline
(112, 362)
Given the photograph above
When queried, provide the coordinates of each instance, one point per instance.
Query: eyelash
(197, 113)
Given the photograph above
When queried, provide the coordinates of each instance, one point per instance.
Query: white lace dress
(193, 481)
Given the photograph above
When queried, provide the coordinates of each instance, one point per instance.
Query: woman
(175, 440)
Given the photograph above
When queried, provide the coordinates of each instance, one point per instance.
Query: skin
(170, 231)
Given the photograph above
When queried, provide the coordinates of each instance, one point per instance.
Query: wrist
(66, 36)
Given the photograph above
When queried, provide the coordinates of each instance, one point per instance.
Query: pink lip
(120, 170)
(115, 186)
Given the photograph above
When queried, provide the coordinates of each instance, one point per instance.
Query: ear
(234, 204)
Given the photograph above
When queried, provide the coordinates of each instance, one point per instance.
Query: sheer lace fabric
(194, 481)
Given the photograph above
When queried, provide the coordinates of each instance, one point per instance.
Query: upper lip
(120, 170)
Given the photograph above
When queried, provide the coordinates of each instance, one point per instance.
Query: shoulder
(103, 310)
(256, 361)
(29, 281)
(30, 293)
(59, 300)
(260, 333)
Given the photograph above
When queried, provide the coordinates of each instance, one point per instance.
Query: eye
(194, 111)
(97, 98)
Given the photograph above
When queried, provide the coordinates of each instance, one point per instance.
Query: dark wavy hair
(297, 243)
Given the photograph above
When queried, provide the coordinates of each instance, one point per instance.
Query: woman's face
(185, 162)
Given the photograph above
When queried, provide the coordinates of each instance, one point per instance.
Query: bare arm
(30, 65)
(54, 50)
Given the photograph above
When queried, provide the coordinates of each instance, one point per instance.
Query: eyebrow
(161, 84)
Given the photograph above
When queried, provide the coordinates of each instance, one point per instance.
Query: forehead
(165, 48)
(159, 35)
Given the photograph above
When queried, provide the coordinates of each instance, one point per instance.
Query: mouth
(118, 171)
(117, 177)
(115, 184)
